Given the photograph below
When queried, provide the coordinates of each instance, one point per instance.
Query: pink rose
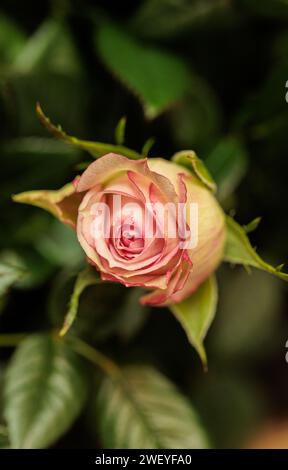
(148, 222)
(144, 239)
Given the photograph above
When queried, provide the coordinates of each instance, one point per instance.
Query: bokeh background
(208, 75)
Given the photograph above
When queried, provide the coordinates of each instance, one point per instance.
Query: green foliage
(48, 57)
(9, 274)
(45, 390)
(189, 159)
(120, 131)
(196, 314)
(4, 441)
(227, 163)
(63, 90)
(238, 250)
(33, 162)
(147, 146)
(142, 409)
(85, 278)
(50, 47)
(167, 18)
(132, 315)
(104, 311)
(247, 325)
(59, 245)
(12, 39)
(158, 78)
(35, 269)
(96, 149)
(252, 225)
(210, 75)
(234, 412)
(196, 121)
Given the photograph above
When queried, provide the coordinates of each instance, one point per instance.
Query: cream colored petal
(62, 203)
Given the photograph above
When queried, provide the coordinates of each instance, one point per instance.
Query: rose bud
(149, 223)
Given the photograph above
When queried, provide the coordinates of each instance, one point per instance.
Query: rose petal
(113, 165)
(177, 282)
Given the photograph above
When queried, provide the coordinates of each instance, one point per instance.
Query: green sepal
(189, 160)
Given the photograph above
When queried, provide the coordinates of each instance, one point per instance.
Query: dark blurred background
(208, 75)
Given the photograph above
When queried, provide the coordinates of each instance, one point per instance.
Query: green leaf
(247, 326)
(252, 225)
(132, 315)
(120, 131)
(196, 121)
(266, 113)
(147, 146)
(238, 250)
(167, 19)
(96, 149)
(98, 310)
(158, 78)
(106, 311)
(4, 438)
(62, 91)
(143, 410)
(29, 147)
(85, 278)
(50, 47)
(60, 246)
(31, 163)
(196, 314)
(12, 39)
(189, 159)
(227, 163)
(9, 275)
(45, 390)
(35, 269)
